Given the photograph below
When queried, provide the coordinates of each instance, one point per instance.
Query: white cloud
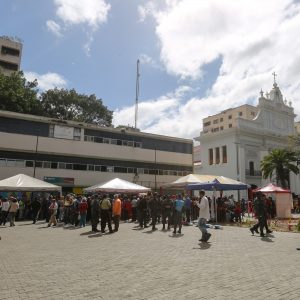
(148, 60)
(90, 12)
(54, 27)
(252, 38)
(47, 81)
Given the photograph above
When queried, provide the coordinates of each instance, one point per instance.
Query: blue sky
(197, 57)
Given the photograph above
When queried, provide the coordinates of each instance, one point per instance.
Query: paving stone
(38, 262)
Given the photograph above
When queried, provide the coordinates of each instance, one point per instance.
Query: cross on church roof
(274, 74)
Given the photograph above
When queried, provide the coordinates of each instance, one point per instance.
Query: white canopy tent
(25, 183)
(117, 185)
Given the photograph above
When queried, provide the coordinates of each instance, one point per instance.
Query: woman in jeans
(83, 206)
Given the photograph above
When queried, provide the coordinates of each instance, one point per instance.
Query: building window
(221, 119)
(11, 51)
(137, 144)
(61, 165)
(79, 167)
(217, 155)
(51, 130)
(221, 128)
(54, 165)
(230, 125)
(69, 166)
(46, 164)
(2, 162)
(229, 117)
(106, 141)
(240, 113)
(211, 156)
(120, 170)
(91, 167)
(207, 124)
(8, 66)
(110, 169)
(252, 113)
(251, 168)
(216, 121)
(38, 164)
(224, 154)
(29, 163)
(77, 134)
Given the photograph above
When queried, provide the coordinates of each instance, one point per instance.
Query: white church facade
(234, 142)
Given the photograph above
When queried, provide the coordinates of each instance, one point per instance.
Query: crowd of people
(172, 211)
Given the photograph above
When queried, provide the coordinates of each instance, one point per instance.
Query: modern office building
(236, 149)
(10, 54)
(76, 155)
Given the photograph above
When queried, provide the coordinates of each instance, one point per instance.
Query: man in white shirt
(204, 216)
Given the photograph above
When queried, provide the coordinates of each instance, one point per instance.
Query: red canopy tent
(271, 188)
(283, 199)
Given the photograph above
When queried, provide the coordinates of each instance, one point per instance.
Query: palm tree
(281, 162)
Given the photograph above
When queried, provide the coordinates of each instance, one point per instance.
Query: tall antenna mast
(137, 90)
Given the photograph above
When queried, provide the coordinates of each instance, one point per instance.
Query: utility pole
(137, 91)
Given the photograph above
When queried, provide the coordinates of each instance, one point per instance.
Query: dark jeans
(262, 221)
(105, 218)
(117, 222)
(177, 220)
(134, 214)
(34, 216)
(4, 215)
(188, 215)
(143, 217)
(154, 219)
(166, 214)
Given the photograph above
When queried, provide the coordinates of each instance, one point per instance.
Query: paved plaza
(66, 263)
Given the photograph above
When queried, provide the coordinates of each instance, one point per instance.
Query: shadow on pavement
(203, 246)
(95, 235)
(88, 233)
(267, 239)
(139, 228)
(178, 235)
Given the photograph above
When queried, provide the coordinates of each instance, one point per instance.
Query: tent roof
(25, 183)
(117, 185)
(191, 178)
(220, 183)
(271, 188)
(208, 182)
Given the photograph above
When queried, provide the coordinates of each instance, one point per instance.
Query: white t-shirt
(204, 209)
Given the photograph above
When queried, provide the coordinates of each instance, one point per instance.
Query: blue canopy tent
(220, 183)
(216, 185)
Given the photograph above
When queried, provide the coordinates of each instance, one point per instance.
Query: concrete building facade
(10, 54)
(76, 155)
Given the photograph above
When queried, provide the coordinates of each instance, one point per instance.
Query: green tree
(69, 105)
(18, 95)
(281, 162)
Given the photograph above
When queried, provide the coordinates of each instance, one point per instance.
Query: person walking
(14, 206)
(117, 208)
(153, 206)
(178, 210)
(142, 209)
(53, 211)
(83, 206)
(95, 213)
(166, 211)
(105, 214)
(260, 211)
(4, 211)
(35, 208)
(204, 216)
